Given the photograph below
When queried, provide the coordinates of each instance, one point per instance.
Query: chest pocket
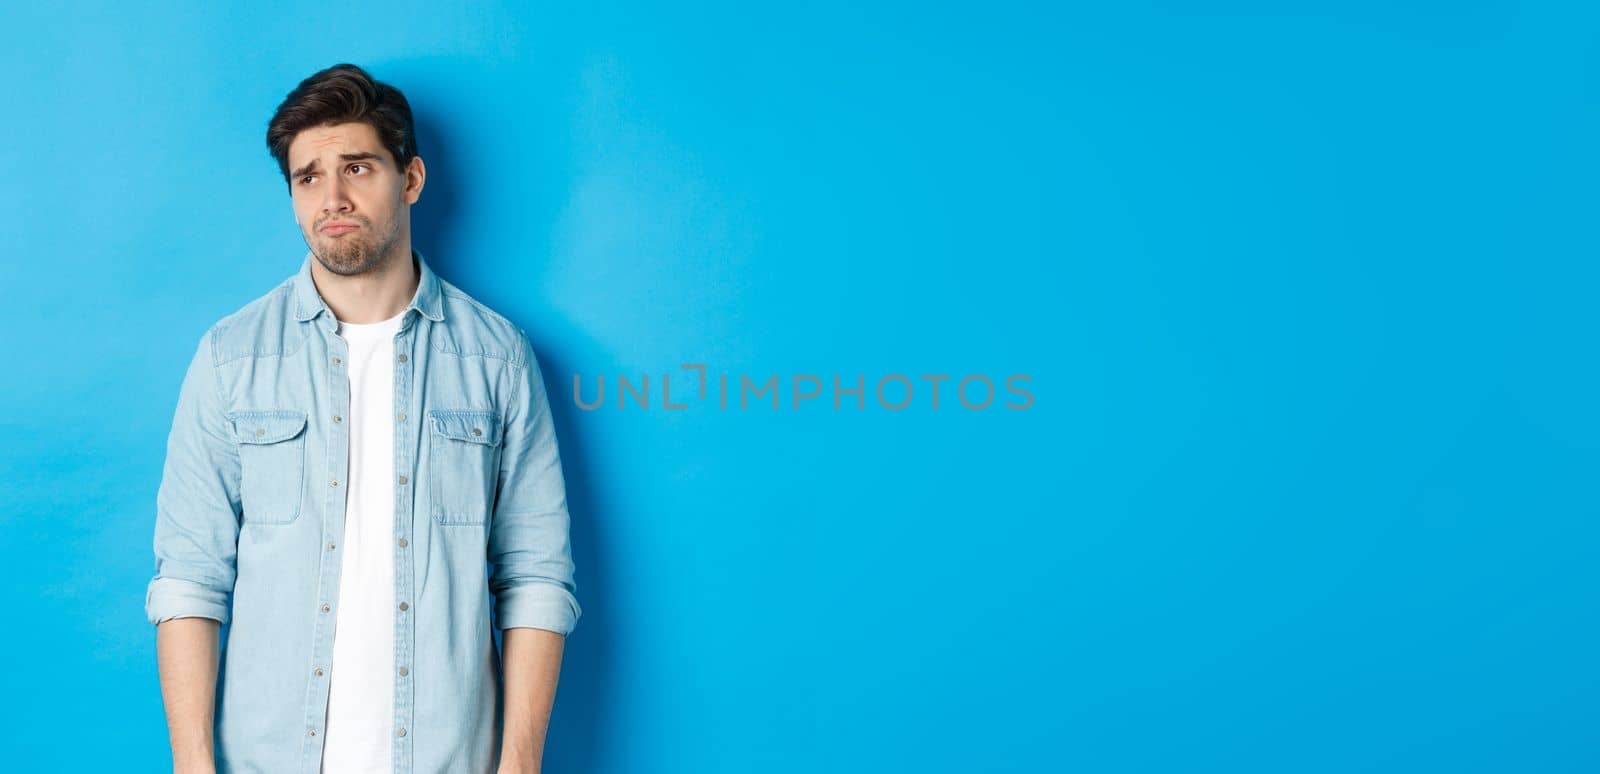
(465, 464)
(272, 464)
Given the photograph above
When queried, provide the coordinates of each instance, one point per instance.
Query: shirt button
(318, 670)
(334, 482)
(325, 607)
(260, 432)
(404, 671)
(338, 418)
(402, 359)
(402, 479)
(476, 431)
(311, 732)
(330, 546)
(403, 542)
(337, 361)
(404, 606)
(400, 732)
(402, 417)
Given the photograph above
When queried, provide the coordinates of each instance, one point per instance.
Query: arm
(186, 649)
(532, 664)
(196, 539)
(531, 551)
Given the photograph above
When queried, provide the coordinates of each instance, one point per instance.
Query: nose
(334, 198)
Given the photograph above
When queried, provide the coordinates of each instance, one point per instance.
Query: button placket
(405, 493)
(333, 511)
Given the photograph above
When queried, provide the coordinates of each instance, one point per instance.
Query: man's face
(352, 203)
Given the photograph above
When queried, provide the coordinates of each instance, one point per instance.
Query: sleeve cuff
(169, 598)
(537, 606)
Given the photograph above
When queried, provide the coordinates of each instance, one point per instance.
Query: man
(349, 454)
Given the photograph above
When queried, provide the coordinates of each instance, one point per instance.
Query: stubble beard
(357, 252)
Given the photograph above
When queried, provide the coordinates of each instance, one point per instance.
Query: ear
(416, 175)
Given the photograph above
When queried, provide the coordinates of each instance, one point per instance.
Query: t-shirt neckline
(367, 329)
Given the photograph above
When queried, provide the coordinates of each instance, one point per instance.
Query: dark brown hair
(340, 94)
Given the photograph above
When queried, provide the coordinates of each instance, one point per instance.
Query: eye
(304, 179)
(353, 166)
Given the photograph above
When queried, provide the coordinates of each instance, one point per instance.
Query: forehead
(330, 140)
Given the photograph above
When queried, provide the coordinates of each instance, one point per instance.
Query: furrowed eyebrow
(312, 166)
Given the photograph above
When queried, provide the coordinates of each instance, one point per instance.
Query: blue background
(1306, 292)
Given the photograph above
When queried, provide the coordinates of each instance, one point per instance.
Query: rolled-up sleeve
(197, 504)
(529, 539)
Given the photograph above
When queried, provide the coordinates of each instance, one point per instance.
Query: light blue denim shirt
(250, 516)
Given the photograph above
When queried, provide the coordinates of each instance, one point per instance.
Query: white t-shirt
(360, 723)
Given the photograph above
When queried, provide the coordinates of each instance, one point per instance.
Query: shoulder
(264, 327)
(472, 329)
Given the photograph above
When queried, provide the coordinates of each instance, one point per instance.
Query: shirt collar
(308, 302)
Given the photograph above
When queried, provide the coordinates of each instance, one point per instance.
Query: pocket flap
(269, 426)
(467, 425)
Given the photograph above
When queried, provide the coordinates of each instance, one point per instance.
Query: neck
(371, 297)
